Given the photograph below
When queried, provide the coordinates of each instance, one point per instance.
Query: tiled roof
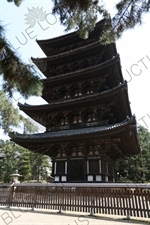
(68, 36)
(75, 100)
(70, 52)
(100, 66)
(111, 129)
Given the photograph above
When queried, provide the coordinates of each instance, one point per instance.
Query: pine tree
(137, 168)
(32, 166)
(16, 2)
(40, 166)
(129, 14)
(10, 117)
(9, 164)
(24, 166)
(19, 77)
(82, 16)
(144, 136)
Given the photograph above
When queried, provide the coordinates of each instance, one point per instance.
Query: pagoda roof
(104, 67)
(126, 129)
(117, 96)
(67, 103)
(67, 39)
(92, 70)
(75, 54)
(77, 51)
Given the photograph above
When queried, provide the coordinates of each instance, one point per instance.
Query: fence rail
(116, 199)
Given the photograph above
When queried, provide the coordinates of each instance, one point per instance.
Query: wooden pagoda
(88, 119)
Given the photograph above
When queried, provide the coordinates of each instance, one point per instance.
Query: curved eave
(89, 71)
(79, 52)
(123, 104)
(68, 57)
(100, 97)
(67, 39)
(81, 134)
(130, 143)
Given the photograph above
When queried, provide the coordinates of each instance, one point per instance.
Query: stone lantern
(15, 176)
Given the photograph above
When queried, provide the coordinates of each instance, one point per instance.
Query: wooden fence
(116, 199)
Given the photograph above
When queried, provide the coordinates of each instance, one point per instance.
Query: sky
(133, 48)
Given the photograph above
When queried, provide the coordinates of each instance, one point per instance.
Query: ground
(24, 216)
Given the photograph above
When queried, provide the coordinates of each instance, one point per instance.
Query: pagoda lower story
(84, 169)
(84, 163)
(84, 155)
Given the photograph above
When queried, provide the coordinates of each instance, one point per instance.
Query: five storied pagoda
(88, 120)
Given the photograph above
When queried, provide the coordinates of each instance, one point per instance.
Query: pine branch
(10, 117)
(16, 2)
(80, 15)
(129, 14)
(17, 76)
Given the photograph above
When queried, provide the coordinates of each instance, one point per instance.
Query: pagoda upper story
(87, 115)
(80, 73)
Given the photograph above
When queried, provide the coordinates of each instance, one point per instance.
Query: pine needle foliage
(10, 117)
(8, 114)
(29, 164)
(17, 75)
(137, 168)
(16, 2)
(129, 14)
(80, 15)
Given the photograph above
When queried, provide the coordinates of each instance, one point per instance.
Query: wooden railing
(116, 199)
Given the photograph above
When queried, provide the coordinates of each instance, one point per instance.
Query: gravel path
(16, 216)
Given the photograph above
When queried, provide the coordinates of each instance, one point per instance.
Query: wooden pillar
(68, 166)
(53, 163)
(103, 168)
(85, 169)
